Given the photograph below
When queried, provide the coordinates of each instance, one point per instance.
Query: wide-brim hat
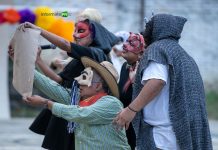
(106, 70)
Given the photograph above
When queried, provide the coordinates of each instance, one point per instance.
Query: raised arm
(54, 39)
(102, 112)
(46, 69)
(51, 89)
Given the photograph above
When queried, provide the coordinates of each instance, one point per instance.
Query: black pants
(55, 131)
(130, 133)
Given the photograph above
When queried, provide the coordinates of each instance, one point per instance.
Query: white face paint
(86, 77)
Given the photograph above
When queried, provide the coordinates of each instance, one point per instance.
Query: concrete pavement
(15, 135)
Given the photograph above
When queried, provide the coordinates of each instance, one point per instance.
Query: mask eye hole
(81, 31)
(84, 77)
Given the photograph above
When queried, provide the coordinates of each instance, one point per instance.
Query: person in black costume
(132, 53)
(91, 40)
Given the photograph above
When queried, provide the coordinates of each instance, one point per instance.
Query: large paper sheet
(25, 45)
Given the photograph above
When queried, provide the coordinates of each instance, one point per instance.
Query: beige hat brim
(104, 73)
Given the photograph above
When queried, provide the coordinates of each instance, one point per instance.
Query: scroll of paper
(25, 45)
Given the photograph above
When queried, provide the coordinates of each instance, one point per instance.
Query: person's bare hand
(124, 118)
(23, 26)
(38, 58)
(59, 63)
(35, 100)
(11, 52)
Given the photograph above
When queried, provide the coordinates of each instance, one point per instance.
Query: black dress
(54, 128)
(126, 98)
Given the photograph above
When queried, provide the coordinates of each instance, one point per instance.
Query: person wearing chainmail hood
(92, 40)
(168, 109)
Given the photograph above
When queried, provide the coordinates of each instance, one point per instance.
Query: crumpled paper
(25, 45)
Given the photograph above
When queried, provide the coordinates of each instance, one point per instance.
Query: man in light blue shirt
(97, 107)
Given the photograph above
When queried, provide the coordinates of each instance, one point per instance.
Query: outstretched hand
(124, 118)
(23, 26)
(35, 100)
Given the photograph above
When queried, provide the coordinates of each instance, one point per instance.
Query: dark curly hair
(147, 34)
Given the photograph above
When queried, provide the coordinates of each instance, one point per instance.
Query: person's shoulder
(96, 49)
(111, 101)
(109, 97)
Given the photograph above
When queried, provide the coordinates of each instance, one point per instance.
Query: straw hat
(107, 71)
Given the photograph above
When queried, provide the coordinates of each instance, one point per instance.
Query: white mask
(86, 77)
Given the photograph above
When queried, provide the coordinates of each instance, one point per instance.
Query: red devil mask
(135, 43)
(82, 30)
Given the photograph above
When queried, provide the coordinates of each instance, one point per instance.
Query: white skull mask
(86, 77)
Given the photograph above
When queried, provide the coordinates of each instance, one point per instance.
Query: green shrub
(212, 104)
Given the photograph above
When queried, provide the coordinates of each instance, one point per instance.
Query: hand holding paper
(25, 46)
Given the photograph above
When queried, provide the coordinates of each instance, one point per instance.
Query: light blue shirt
(94, 129)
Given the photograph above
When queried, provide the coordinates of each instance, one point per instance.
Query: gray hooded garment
(187, 108)
(102, 38)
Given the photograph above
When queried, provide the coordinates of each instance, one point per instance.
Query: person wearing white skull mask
(92, 111)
